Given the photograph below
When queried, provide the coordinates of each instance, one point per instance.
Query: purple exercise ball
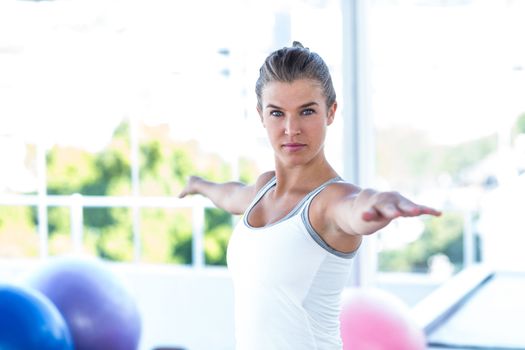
(98, 309)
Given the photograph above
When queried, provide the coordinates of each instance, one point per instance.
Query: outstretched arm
(233, 197)
(369, 211)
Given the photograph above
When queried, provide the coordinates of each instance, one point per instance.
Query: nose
(292, 127)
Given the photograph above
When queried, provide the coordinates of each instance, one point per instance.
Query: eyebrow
(308, 104)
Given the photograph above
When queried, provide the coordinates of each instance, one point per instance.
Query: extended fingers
(429, 211)
(381, 211)
(190, 186)
(390, 205)
(409, 208)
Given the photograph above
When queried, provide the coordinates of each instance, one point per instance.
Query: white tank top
(287, 282)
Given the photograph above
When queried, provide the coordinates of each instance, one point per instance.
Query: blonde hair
(293, 63)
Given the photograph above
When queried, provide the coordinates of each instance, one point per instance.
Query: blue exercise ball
(99, 310)
(29, 321)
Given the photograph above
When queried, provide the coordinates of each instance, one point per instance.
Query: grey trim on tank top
(257, 198)
(294, 211)
(262, 192)
(304, 215)
(316, 237)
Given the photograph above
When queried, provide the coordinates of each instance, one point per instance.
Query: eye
(307, 111)
(276, 113)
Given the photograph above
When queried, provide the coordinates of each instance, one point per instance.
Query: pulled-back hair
(293, 63)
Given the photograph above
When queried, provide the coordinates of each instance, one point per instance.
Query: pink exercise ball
(373, 319)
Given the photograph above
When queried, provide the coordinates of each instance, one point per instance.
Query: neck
(302, 178)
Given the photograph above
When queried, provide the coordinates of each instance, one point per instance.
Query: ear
(331, 113)
(261, 116)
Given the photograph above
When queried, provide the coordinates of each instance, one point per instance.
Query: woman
(290, 256)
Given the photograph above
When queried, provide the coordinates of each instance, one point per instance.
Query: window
(109, 110)
(447, 93)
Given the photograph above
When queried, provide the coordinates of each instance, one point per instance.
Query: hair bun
(297, 44)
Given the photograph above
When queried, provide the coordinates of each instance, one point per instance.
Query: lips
(293, 146)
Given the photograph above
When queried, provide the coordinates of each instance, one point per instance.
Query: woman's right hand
(233, 197)
(191, 186)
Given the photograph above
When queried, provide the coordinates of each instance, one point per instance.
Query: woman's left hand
(374, 210)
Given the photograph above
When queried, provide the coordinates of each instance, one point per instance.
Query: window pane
(108, 233)
(167, 162)
(166, 236)
(218, 229)
(18, 155)
(59, 231)
(447, 95)
(101, 172)
(18, 232)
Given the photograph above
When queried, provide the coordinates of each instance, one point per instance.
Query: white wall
(182, 306)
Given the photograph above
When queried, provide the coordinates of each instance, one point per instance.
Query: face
(295, 116)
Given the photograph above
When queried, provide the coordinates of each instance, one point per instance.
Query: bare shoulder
(338, 191)
(333, 195)
(240, 195)
(263, 179)
(248, 192)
